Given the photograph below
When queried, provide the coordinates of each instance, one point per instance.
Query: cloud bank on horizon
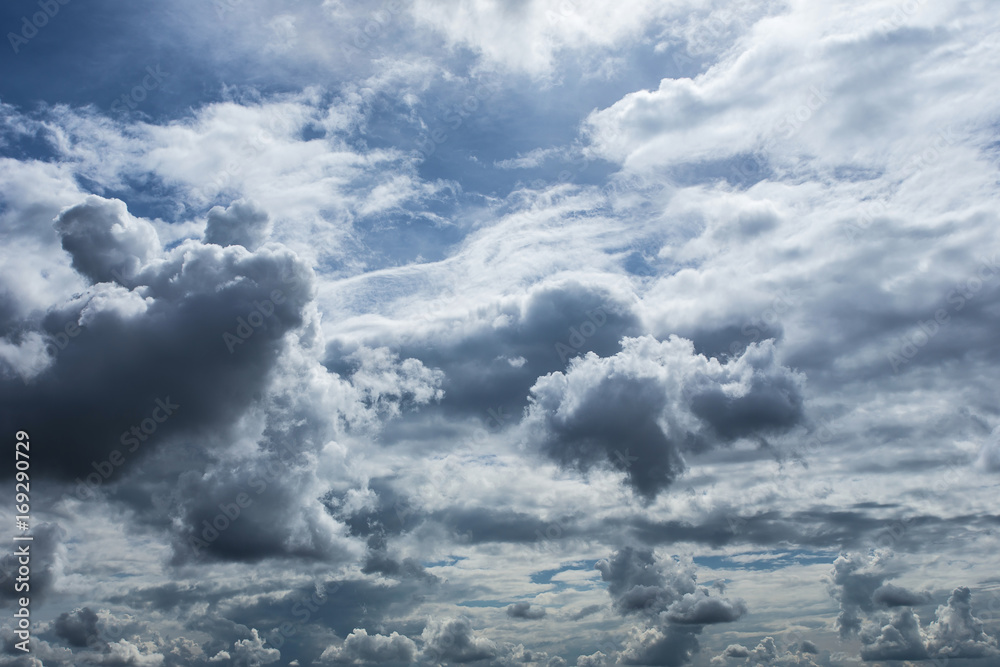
(541, 333)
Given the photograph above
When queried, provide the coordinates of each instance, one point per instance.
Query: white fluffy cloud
(361, 648)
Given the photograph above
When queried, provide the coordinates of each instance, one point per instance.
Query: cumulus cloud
(853, 581)
(670, 646)
(956, 633)
(767, 652)
(388, 384)
(243, 223)
(453, 640)
(901, 638)
(699, 608)
(361, 648)
(77, 628)
(642, 408)
(198, 330)
(105, 241)
(858, 581)
(666, 594)
(596, 659)
(251, 652)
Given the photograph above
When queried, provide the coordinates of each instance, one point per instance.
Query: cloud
(102, 239)
(78, 627)
(199, 328)
(251, 652)
(586, 611)
(452, 639)
(989, 455)
(530, 36)
(597, 659)
(767, 653)
(539, 331)
(858, 582)
(361, 648)
(242, 223)
(664, 592)
(736, 651)
(854, 580)
(956, 633)
(699, 608)
(641, 409)
(524, 610)
(899, 639)
(780, 208)
(388, 384)
(669, 647)
(890, 595)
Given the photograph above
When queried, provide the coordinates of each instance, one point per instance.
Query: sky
(524, 333)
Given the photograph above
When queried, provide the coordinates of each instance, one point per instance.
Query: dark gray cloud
(668, 647)
(156, 348)
(585, 612)
(821, 527)
(699, 608)
(78, 627)
(642, 408)
(453, 640)
(890, 595)
(524, 610)
(492, 364)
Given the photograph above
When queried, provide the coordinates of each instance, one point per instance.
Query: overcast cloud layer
(545, 333)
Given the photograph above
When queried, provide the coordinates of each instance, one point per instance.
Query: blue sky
(544, 333)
